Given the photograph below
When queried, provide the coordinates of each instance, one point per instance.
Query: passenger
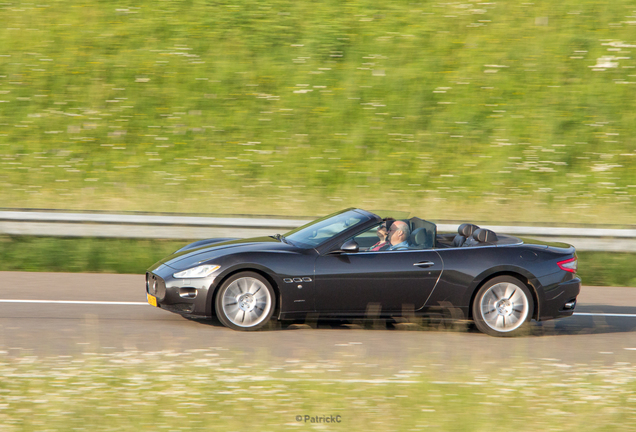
(381, 233)
(399, 235)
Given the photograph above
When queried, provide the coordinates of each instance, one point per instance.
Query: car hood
(191, 257)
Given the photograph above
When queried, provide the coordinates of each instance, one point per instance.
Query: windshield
(326, 228)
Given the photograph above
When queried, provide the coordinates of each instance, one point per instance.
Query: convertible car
(338, 268)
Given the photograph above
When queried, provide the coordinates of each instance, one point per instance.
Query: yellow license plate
(152, 300)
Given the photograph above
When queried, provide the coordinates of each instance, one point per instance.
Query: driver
(398, 235)
(382, 234)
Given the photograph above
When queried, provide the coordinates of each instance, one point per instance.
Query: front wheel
(503, 307)
(245, 302)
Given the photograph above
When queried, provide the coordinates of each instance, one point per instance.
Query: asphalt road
(52, 329)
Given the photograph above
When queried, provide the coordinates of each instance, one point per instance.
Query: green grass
(80, 255)
(205, 390)
(493, 110)
(607, 268)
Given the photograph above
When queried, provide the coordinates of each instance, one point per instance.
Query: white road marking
(605, 314)
(74, 302)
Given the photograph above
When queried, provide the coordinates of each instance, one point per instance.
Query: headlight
(197, 272)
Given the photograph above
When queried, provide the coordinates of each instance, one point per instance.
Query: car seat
(419, 239)
(465, 231)
(485, 236)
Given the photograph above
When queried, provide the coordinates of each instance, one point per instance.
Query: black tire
(245, 301)
(503, 307)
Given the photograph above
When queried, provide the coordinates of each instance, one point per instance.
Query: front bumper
(560, 300)
(188, 297)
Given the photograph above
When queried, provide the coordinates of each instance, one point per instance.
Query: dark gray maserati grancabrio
(354, 264)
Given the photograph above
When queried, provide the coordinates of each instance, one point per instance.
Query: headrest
(467, 229)
(484, 236)
(418, 237)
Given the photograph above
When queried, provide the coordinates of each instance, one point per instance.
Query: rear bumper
(560, 301)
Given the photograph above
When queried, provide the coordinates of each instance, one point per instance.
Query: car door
(348, 283)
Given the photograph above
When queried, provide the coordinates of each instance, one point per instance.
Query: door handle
(424, 264)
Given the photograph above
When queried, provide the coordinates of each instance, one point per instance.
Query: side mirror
(350, 246)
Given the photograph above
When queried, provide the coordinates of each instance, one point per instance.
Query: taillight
(569, 265)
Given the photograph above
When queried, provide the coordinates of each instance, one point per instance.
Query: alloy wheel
(246, 302)
(504, 307)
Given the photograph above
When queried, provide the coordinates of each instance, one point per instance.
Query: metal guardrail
(138, 226)
(37, 223)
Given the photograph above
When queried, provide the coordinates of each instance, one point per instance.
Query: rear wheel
(503, 307)
(245, 302)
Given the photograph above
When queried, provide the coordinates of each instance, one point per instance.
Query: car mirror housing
(350, 246)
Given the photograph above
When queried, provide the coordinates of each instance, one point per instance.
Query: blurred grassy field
(503, 111)
(210, 390)
(132, 256)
